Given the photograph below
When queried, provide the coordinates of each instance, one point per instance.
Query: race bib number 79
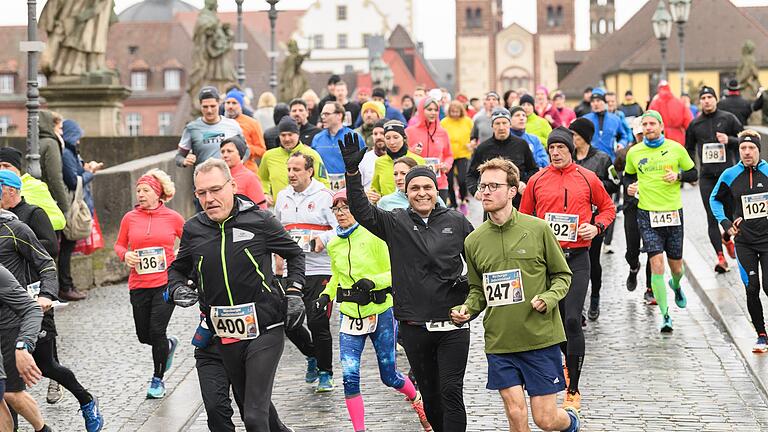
(358, 326)
(503, 287)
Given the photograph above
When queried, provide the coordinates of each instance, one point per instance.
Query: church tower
(477, 22)
(555, 31)
(602, 17)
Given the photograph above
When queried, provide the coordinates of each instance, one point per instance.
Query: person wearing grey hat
(481, 129)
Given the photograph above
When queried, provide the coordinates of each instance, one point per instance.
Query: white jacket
(305, 215)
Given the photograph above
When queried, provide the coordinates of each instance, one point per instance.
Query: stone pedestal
(95, 104)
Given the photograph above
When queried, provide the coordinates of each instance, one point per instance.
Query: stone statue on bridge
(292, 81)
(747, 72)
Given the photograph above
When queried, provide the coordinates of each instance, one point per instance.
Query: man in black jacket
(713, 135)
(585, 106)
(300, 113)
(735, 104)
(502, 144)
(228, 249)
(425, 246)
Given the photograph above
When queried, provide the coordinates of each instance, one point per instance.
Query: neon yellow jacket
(36, 192)
(540, 127)
(384, 173)
(361, 255)
(459, 131)
(273, 170)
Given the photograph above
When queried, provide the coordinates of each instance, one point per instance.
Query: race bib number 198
(503, 287)
(563, 225)
(713, 153)
(755, 206)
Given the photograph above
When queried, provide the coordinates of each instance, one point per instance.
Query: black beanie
(515, 109)
(12, 156)
(526, 98)
(584, 127)
(380, 123)
(288, 124)
(420, 171)
(239, 143)
(561, 135)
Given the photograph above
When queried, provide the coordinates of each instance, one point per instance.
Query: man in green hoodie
(517, 275)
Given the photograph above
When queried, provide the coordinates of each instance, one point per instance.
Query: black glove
(184, 296)
(295, 312)
(351, 152)
(322, 302)
(364, 284)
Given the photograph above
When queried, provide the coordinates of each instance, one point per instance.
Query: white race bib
(755, 206)
(563, 225)
(358, 326)
(302, 237)
(337, 182)
(664, 219)
(503, 287)
(151, 260)
(713, 153)
(33, 290)
(444, 326)
(433, 164)
(236, 322)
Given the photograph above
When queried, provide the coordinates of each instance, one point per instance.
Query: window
(138, 80)
(602, 2)
(602, 26)
(551, 16)
(341, 40)
(474, 18)
(341, 13)
(42, 80)
(317, 41)
(164, 123)
(7, 83)
(5, 125)
(478, 18)
(172, 79)
(366, 40)
(133, 122)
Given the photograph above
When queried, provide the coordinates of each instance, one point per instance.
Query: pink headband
(152, 182)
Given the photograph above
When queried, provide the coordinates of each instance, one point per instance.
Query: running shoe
(312, 371)
(594, 308)
(55, 393)
(632, 279)
(418, 405)
(156, 389)
(666, 326)
(680, 299)
(649, 298)
(730, 248)
(173, 342)
(572, 400)
(722, 264)
(325, 384)
(94, 421)
(761, 345)
(575, 419)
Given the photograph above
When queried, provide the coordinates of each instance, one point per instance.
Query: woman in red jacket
(145, 242)
(429, 140)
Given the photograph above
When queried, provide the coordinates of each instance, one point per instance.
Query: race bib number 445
(563, 225)
(236, 322)
(713, 153)
(503, 287)
(664, 219)
(755, 206)
(151, 260)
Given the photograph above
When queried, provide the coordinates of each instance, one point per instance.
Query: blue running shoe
(94, 421)
(173, 341)
(680, 299)
(156, 389)
(312, 371)
(326, 383)
(575, 419)
(666, 326)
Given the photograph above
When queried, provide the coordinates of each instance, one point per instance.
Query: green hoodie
(50, 161)
(526, 243)
(361, 255)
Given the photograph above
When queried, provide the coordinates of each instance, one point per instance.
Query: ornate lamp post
(272, 51)
(32, 47)
(681, 9)
(662, 28)
(240, 46)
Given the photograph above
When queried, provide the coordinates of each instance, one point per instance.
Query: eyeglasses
(339, 210)
(492, 187)
(326, 114)
(215, 190)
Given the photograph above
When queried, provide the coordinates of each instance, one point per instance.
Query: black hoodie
(50, 161)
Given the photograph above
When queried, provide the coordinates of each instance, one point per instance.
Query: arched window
(551, 20)
(478, 17)
(602, 26)
(559, 16)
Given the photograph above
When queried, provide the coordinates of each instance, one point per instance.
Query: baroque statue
(211, 60)
(747, 72)
(77, 33)
(291, 78)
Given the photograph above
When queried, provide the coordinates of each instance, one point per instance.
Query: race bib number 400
(236, 322)
(563, 225)
(358, 326)
(503, 287)
(664, 219)
(713, 153)
(434, 165)
(302, 237)
(151, 260)
(755, 206)
(337, 182)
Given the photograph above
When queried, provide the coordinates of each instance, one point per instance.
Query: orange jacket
(254, 137)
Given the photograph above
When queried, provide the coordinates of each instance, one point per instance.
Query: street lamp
(662, 28)
(240, 46)
(272, 52)
(680, 11)
(32, 47)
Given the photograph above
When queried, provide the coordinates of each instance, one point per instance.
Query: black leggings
(572, 305)
(45, 358)
(595, 268)
(461, 166)
(66, 247)
(439, 360)
(632, 236)
(749, 261)
(151, 315)
(318, 322)
(706, 185)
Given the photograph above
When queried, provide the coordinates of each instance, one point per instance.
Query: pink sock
(408, 389)
(356, 411)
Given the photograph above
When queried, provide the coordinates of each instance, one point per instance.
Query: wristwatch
(21, 345)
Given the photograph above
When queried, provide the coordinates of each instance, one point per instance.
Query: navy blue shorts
(539, 371)
(663, 239)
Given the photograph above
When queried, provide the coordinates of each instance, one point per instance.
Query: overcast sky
(434, 19)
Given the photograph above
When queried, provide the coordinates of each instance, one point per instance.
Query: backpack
(79, 218)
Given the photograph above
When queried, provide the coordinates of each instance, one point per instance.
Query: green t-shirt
(651, 165)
